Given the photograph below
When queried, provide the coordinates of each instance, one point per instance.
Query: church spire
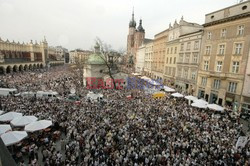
(132, 23)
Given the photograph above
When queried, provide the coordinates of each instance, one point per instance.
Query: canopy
(192, 98)
(215, 107)
(13, 137)
(136, 74)
(23, 120)
(1, 112)
(9, 116)
(201, 101)
(38, 125)
(199, 105)
(177, 95)
(159, 94)
(4, 129)
(145, 78)
(168, 89)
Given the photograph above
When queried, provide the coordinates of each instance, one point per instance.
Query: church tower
(131, 35)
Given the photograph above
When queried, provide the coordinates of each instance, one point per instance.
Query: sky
(76, 23)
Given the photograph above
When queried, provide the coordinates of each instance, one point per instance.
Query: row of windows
(234, 69)
(186, 59)
(223, 33)
(237, 49)
(170, 60)
(183, 73)
(188, 46)
(170, 50)
(170, 71)
(232, 86)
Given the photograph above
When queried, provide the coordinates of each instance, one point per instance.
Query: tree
(109, 57)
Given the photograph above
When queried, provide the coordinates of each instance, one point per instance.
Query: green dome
(96, 59)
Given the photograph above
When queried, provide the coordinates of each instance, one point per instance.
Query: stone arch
(25, 68)
(2, 70)
(15, 68)
(21, 68)
(30, 67)
(41, 65)
(37, 66)
(34, 66)
(8, 69)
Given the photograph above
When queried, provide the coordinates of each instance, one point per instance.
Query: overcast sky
(76, 23)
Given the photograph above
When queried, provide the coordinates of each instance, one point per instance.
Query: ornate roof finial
(182, 18)
(45, 39)
(7, 41)
(132, 23)
(13, 41)
(31, 42)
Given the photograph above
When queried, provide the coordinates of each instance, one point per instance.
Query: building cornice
(244, 15)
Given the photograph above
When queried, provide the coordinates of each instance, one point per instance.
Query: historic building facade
(158, 57)
(135, 39)
(188, 61)
(15, 56)
(149, 46)
(224, 56)
(79, 56)
(173, 47)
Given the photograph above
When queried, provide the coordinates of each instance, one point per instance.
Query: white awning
(177, 95)
(192, 98)
(23, 120)
(38, 125)
(4, 129)
(13, 137)
(9, 116)
(215, 107)
(168, 89)
(199, 105)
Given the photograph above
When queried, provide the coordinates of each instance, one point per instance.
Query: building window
(179, 72)
(203, 81)
(175, 50)
(195, 57)
(221, 49)
(166, 70)
(238, 48)
(196, 45)
(216, 84)
(235, 67)
(208, 50)
(171, 50)
(187, 58)
(219, 66)
(170, 62)
(232, 87)
(223, 33)
(167, 60)
(206, 63)
(181, 58)
(193, 75)
(173, 71)
(209, 35)
(240, 30)
(188, 46)
(185, 73)
(174, 60)
(182, 46)
(168, 51)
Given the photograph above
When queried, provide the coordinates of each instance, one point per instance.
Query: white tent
(199, 105)
(4, 129)
(38, 125)
(177, 95)
(145, 78)
(153, 82)
(168, 89)
(13, 137)
(9, 116)
(1, 112)
(201, 101)
(215, 107)
(23, 120)
(192, 98)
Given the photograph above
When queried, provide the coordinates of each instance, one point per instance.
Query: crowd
(139, 131)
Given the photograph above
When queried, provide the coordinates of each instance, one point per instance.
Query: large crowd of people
(119, 131)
